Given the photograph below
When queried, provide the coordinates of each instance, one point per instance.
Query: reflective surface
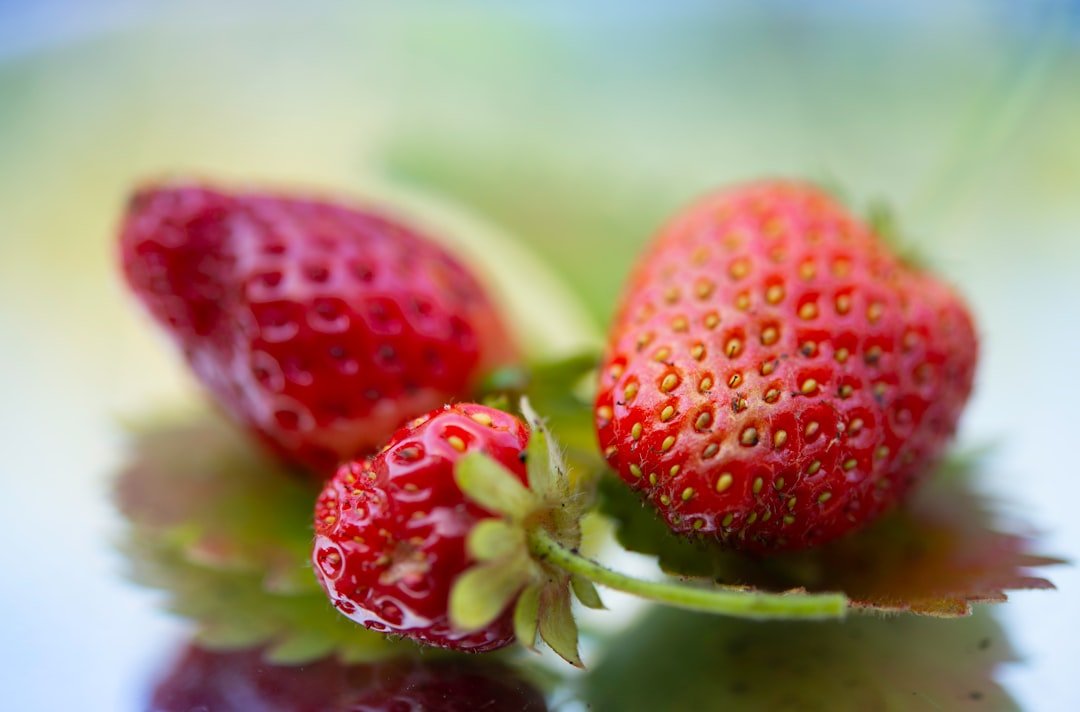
(576, 132)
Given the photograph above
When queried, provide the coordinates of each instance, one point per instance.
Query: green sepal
(547, 469)
(494, 539)
(527, 615)
(557, 625)
(586, 592)
(483, 592)
(493, 487)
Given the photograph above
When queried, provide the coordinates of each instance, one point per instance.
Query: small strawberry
(391, 530)
(322, 327)
(776, 377)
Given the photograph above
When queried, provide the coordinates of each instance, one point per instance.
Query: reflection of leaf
(233, 609)
(935, 556)
(227, 535)
(674, 660)
(205, 482)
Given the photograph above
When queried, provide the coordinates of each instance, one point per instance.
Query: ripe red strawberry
(391, 530)
(322, 327)
(776, 377)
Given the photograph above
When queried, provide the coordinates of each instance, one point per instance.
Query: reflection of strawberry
(448, 686)
(391, 531)
(233, 681)
(244, 682)
(320, 326)
(775, 376)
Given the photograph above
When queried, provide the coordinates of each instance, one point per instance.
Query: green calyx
(528, 553)
(506, 570)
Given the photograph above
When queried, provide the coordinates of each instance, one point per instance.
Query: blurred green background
(574, 128)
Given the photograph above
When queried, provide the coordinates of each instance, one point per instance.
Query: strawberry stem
(732, 602)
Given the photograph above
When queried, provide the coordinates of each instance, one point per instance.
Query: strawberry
(391, 530)
(776, 377)
(320, 326)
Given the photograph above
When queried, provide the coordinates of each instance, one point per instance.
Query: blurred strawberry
(320, 326)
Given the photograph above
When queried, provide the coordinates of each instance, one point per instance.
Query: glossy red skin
(689, 294)
(391, 530)
(242, 681)
(320, 326)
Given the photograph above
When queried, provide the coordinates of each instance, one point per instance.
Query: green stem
(743, 604)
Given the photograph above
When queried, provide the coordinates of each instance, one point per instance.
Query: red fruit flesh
(321, 327)
(775, 376)
(391, 530)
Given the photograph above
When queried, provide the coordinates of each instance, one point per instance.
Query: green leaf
(557, 625)
(555, 389)
(586, 592)
(493, 487)
(527, 614)
(937, 555)
(567, 371)
(504, 379)
(494, 539)
(483, 592)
